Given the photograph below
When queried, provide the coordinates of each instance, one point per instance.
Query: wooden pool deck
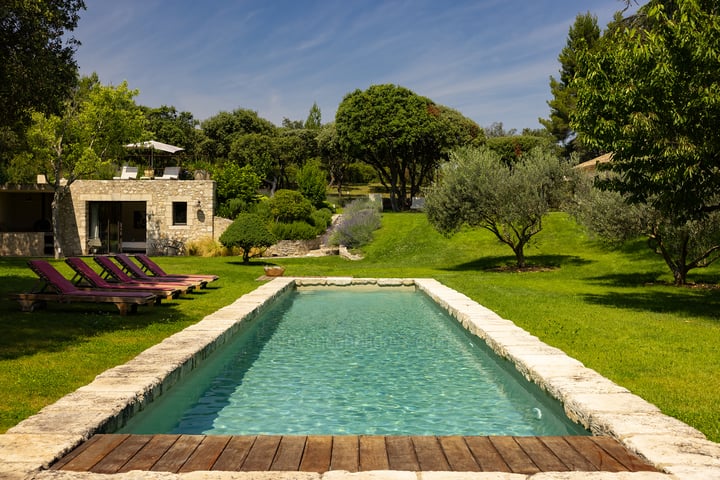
(117, 453)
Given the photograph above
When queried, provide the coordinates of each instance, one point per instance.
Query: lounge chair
(154, 269)
(134, 270)
(56, 288)
(84, 274)
(127, 173)
(112, 270)
(170, 173)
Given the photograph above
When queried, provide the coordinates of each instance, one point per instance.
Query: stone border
(27, 449)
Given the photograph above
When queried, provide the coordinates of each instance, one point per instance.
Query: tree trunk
(680, 275)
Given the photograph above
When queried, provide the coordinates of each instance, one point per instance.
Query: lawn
(614, 310)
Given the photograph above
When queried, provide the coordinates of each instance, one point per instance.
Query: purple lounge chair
(54, 287)
(111, 269)
(149, 266)
(84, 274)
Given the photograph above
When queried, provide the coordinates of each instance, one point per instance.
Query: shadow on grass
(60, 325)
(700, 303)
(500, 262)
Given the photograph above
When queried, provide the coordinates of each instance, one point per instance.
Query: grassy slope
(609, 309)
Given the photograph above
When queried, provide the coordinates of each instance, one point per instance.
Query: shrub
(288, 206)
(360, 219)
(232, 208)
(312, 182)
(294, 231)
(248, 231)
(205, 247)
(321, 219)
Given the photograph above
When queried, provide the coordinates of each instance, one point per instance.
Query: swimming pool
(385, 361)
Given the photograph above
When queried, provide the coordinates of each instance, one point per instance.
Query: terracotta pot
(274, 271)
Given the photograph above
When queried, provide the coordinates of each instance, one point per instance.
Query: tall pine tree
(584, 35)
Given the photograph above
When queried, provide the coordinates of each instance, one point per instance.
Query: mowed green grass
(614, 310)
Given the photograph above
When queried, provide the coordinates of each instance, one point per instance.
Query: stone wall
(156, 195)
(31, 244)
(292, 248)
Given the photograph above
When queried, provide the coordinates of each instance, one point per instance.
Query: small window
(179, 213)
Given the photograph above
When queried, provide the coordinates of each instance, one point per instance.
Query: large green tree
(476, 188)
(223, 129)
(37, 65)
(167, 125)
(95, 125)
(399, 133)
(650, 93)
(584, 34)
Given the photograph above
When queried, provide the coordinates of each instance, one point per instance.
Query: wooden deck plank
(177, 454)
(120, 455)
(206, 454)
(458, 454)
(151, 452)
(540, 455)
(516, 458)
(234, 454)
(373, 454)
(401, 454)
(188, 453)
(261, 454)
(567, 454)
(289, 453)
(316, 457)
(345, 452)
(486, 455)
(629, 460)
(596, 455)
(430, 454)
(93, 452)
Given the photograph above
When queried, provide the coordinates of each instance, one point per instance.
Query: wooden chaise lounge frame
(154, 269)
(85, 275)
(54, 287)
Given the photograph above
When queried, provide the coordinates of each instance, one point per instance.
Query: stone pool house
(153, 216)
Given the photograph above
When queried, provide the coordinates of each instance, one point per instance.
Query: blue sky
(489, 59)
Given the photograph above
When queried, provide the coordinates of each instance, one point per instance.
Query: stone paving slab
(600, 405)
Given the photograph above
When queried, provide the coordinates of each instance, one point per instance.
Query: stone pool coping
(603, 407)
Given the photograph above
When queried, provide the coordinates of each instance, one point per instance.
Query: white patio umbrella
(152, 145)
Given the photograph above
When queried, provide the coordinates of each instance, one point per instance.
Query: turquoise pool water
(342, 361)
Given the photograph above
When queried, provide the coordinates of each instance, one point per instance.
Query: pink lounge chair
(84, 274)
(54, 287)
(134, 270)
(111, 269)
(154, 269)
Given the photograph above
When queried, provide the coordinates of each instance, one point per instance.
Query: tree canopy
(584, 34)
(650, 93)
(96, 124)
(402, 135)
(37, 68)
(476, 188)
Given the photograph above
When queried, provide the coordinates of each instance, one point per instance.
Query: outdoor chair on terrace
(54, 287)
(111, 270)
(155, 270)
(170, 173)
(85, 275)
(127, 173)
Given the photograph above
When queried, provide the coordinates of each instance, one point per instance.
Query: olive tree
(476, 188)
(683, 247)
